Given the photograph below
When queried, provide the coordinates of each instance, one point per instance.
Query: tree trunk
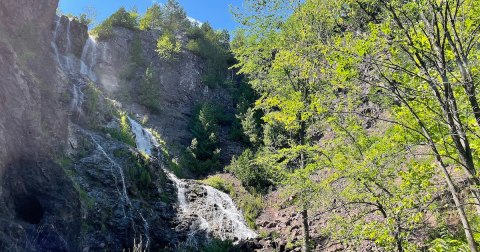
(461, 58)
(398, 239)
(306, 232)
(458, 204)
(476, 199)
(461, 212)
(473, 186)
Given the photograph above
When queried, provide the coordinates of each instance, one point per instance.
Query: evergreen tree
(149, 93)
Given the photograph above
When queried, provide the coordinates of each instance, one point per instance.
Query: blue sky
(216, 12)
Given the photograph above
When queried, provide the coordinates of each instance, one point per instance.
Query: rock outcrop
(179, 82)
(33, 121)
(66, 182)
(38, 203)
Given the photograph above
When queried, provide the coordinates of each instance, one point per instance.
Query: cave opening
(29, 209)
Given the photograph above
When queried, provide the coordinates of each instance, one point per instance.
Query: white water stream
(54, 42)
(123, 191)
(218, 212)
(80, 71)
(89, 59)
(69, 64)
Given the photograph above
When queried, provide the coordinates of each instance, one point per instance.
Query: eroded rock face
(69, 36)
(33, 121)
(15, 14)
(180, 82)
(124, 198)
(38, 203)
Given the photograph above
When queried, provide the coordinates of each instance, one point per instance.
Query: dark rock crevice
(28, 208)
(42, 204)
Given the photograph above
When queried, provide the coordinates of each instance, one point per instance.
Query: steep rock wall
(33, 117)
(179, 82)
(38, 203)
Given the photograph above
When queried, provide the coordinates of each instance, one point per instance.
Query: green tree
(175, 16)
(168, 46)
(149, 93)
(287, 100)
(170, 17)
(417, 53)
(213, 47)
(152, 18)
(121, 18)
(318, 66)
(252, 175)
(87, 17)
(203, 155)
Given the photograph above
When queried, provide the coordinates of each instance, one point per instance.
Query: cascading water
(65, 63)
(68, 63)
(217, 212)
(89, 59)
(78, 98)
(68, 51)
(143, 138)
(54, 42)
(123, 191)
(221, 209)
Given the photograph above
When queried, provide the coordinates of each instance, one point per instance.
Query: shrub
(168, 47)
(213, 47)
(217, 245)
(92, 105)
(253, 176)
(123, 133)
(135, 64)
(219, 183)
(136, 52)
(448, 244)
(139, 173)
(121, 18)
(252, 207)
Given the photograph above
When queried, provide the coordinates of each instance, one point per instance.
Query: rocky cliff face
(179, 82)
(38, 204)
(66, 182)
(29, 90)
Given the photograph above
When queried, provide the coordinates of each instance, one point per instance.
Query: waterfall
(218, 211)
(144, 138)
(54, 42)
(222, 210)
(78, 98)
(65, 62)
(89, 59)
(69, 40)
(123, 193)
(68, 51)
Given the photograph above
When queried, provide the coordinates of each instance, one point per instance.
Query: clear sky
(216, 12)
